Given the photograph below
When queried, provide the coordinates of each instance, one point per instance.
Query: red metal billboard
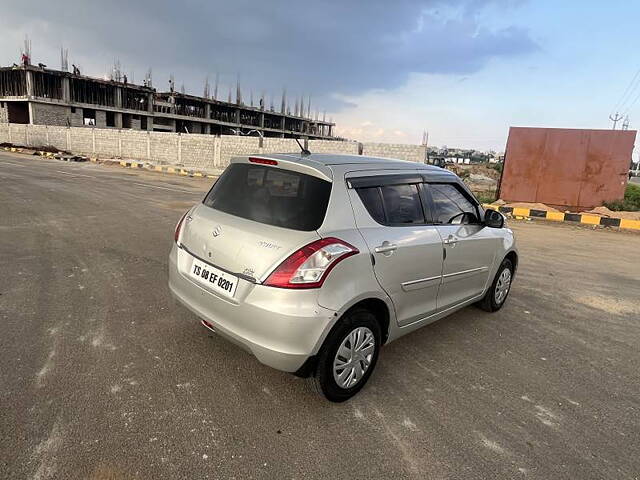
(565, 167)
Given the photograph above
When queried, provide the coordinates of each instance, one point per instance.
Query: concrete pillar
(206, 127)
(179, 149)
(150, 124)
(150, 103)
(66, 90)
(216, 150)
(29, 75)
(117, 117)
(118, 97)
(237, 114)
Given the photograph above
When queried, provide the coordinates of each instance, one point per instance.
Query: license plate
(214, 278)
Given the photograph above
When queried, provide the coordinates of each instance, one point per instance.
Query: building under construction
(42, 96)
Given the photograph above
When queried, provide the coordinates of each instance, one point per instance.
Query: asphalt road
(103, 377)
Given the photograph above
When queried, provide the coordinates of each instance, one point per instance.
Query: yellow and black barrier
(162, 169)
(583, 218)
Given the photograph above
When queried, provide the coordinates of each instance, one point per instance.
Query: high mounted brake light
(263, 161)
(309, 266)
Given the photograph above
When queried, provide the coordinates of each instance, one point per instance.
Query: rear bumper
(281, 328)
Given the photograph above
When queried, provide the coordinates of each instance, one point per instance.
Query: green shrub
(496, 166)
(486, 197)
(630, 202)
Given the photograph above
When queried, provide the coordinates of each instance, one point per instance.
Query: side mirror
(493, 219)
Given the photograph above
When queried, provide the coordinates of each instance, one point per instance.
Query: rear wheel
(497, 294)
(348, 356)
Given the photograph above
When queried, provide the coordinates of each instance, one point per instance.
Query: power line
(630, 106)
(633, 85)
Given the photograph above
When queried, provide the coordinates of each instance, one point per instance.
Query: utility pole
(425, 142)
(625, 124)
(615, 119)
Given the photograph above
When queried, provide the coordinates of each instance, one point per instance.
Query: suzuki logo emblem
(217, 231)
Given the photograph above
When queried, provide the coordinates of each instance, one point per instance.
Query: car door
(406, 253)
(469, 247)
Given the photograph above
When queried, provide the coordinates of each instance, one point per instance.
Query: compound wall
(193, 151)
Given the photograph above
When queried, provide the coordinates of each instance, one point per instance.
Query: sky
(385, 71)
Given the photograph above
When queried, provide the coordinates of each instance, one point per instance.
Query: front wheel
(499, 290)
(348, 356)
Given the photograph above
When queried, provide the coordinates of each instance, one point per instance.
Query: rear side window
(372, 200)
(270, 195)
(393, 204)
(449, 204)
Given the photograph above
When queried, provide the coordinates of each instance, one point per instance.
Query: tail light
(176, 235)
(309, 266)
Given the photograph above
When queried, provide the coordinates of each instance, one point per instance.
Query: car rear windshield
(271, 195)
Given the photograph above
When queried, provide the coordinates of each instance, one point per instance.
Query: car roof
(327, 159)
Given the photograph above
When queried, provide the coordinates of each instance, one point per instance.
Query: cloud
(317, 48)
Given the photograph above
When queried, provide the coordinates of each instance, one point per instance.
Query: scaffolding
(13, 83)
(94, 93)
(47, 86)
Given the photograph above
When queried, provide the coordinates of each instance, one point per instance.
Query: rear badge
(264, 244)
(217, 231)
(248, 272)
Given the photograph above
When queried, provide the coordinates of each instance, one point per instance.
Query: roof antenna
(303, 150)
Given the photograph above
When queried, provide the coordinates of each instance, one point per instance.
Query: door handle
(450, 240)
(386, 247)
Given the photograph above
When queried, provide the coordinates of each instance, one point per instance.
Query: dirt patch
(532, 206)
(483, 170)
(605, 212)
(610, 305)
(178, 205)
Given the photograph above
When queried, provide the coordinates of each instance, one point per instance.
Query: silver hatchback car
(313, 262)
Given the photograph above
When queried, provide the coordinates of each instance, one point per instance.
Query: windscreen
(271, 195)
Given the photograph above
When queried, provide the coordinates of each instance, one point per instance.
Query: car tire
(497, 293)
(359, 325)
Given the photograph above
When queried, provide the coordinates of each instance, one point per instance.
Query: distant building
(43, 96)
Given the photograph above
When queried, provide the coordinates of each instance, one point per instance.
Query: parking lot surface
(103, 377)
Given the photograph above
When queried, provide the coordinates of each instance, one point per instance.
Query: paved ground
(104, 378)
